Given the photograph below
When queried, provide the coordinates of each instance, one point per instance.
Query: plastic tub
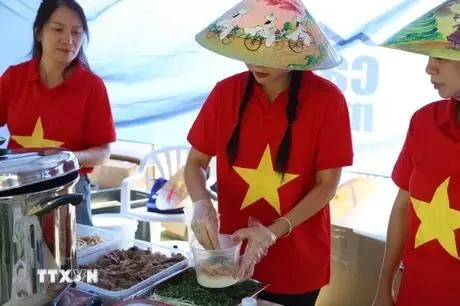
(108, 296)
(215, 268)
(124, 227)
(107, 238)
(140, 302)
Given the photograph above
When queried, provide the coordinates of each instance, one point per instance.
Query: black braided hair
(232, 145)
(282, 157)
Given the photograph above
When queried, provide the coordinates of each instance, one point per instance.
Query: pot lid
(19, 168)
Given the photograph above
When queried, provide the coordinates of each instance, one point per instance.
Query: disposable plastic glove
(383, 300)
(259, 239)
(205, 224)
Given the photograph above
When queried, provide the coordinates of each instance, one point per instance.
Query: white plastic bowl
(124, 226)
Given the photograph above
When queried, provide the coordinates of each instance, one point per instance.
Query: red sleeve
(99, 128)
(4, 97)
(335, 149)
(203, 133)
(404, 165)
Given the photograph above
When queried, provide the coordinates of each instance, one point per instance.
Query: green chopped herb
(185, 290)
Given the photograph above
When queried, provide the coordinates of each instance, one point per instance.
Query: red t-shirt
(321, 139)
(74, 115)
(429, 169)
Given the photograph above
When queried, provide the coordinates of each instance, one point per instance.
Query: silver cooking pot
(37, 224)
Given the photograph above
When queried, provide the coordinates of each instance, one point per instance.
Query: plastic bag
(173, 194)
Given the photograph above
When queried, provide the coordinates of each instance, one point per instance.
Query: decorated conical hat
(436, 33)
(272, 33)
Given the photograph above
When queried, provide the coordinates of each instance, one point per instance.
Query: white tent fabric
(158, 77)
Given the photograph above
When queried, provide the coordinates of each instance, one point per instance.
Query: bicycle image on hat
(270, 32)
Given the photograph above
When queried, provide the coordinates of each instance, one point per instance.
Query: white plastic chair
(166, 162)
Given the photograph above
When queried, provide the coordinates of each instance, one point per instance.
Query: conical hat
(272, 33)
(436, 34)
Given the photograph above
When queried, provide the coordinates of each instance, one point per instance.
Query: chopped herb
(185, 290)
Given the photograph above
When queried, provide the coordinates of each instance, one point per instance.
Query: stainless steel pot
(37, 224)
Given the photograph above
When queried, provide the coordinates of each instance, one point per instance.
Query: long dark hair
(46, 9)
(284, 149)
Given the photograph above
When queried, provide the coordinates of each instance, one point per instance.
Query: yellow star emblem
(36, 140)
(263, 182)
(438, 220)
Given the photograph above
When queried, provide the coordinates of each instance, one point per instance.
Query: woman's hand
(94, 156)
(50, 151)
(383, 300)
(205, 224)
(260, 239)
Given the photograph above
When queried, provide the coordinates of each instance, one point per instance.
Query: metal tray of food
(182, 287)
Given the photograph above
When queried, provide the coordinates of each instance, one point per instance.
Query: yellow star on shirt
(438, 220)
(36, 140)
(263, 182)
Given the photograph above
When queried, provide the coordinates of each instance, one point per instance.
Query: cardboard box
(130, 150)
(176, 230)
(112, 173)
(359, 214)
(356, 263)
(353, 193)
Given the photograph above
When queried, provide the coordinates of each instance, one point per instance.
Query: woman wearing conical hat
(281, 135)
(424, 226)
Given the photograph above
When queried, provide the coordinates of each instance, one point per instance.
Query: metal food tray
(177, 277)
(109, 297)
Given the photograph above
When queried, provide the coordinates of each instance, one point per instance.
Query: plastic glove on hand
(205, 224)
(383, 300)
(260, 239)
